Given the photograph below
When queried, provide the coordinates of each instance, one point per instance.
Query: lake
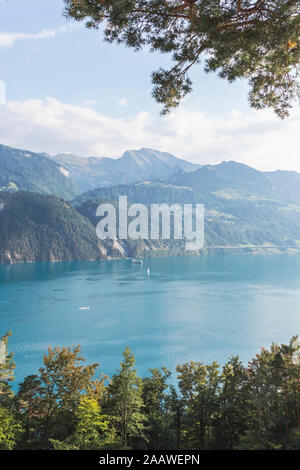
(188, 308)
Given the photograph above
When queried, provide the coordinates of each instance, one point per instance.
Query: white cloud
(123, 102)
(258, 139)
(90, 102)
(9, 39)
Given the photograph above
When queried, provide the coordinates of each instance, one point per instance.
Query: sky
(69, 91)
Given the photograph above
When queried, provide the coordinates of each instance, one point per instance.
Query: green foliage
(63, 379)
(47, 403)
(124, 400)
(234, 405)
(207, 407)
(10, 429)
(199, 387)
(7, 367)
(294, 440)
(93, 429)
(159, 417)
(256, 40)
(31, 410)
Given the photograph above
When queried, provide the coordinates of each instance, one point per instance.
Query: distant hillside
(244, 207)
(210, 184)
(242, 182)
(36, 227)
(133, 166)
(24, 170)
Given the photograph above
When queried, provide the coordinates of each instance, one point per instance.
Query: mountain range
(66, 175)
(133, 166)
(245, 209)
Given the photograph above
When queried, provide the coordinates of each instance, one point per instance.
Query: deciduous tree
(125, 403)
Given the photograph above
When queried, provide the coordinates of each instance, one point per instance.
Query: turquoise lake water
(188, 308)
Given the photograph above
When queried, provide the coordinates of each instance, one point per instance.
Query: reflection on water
(188, 308)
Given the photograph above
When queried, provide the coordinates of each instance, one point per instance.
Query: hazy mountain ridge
(67, 175)
(30, 171)
(209, 183)
(133, 166)
(277, 185)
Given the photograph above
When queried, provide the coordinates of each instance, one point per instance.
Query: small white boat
(84, 308)
(148, 272)
(137, 261)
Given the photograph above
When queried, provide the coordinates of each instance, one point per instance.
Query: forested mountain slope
(36, 227)
(29, 171)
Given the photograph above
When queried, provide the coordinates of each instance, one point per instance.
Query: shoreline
(207, 251)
